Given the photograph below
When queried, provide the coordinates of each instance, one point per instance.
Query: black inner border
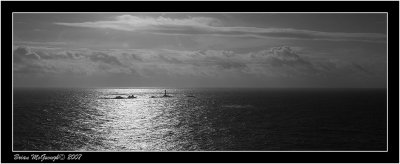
(392, 7)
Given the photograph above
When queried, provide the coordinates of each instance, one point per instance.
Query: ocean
(222, 119)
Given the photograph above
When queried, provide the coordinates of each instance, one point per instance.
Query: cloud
(24, 54)
(221, 59)
(285, 57)
(231, 65)
(212, 26)
(133, 66)
(132, 23)
(136, 57)
(169, 59)
(53, 61)
(105, 58)
(361, 68)
(40, 43)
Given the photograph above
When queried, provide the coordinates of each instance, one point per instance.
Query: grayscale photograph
(188, 81)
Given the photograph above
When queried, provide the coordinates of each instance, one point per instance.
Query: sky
(268, 50)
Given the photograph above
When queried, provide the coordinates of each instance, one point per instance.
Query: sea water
(199, 119)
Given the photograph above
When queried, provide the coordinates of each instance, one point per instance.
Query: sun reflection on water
(147, 124)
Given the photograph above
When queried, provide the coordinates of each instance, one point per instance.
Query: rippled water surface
(212, 119)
